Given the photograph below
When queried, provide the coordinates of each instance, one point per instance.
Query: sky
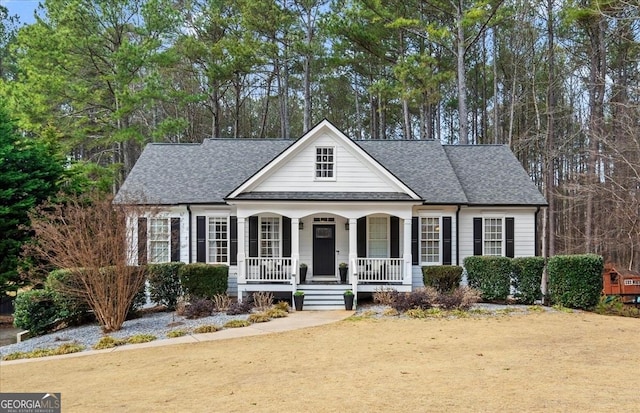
(23, 8)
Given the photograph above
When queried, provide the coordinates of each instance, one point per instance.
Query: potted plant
(303, 273)
(343, 268)
(298, 300)
(348, 300)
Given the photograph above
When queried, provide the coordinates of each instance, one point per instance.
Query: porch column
(353, 245)
(408, 270)
(241, 253)
(295, 248)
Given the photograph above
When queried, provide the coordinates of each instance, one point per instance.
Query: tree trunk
(463, 134)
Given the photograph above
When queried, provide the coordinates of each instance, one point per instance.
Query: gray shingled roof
(170, 174)
(422, 166)
(492, 175)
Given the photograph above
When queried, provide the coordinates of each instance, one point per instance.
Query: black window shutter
(233, 240)
(395, 237)
(415, 231)
(510, 247)
(142, 241)
(201, 239)
(477, 236)
(286, 236)
(175, 239)
(253, 236)
(446, 240)
(362, 237)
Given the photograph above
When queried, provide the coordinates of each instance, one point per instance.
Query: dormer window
(325, 165)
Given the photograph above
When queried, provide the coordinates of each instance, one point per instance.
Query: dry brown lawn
(551, 362)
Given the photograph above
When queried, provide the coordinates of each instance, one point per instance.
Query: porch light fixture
(346, 226)
(301, 225)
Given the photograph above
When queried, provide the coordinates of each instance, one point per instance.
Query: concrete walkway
(295, 321)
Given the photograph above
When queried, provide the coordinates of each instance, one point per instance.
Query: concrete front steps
(323, 296)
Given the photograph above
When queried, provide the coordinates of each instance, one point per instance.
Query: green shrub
(72, 309)
(490, 275)
(164, 283)
(444, 278)
(204, 280)
(575, 281)
(527, 276)
(36, 311)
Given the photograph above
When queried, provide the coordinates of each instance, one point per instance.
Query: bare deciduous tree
(88, 235)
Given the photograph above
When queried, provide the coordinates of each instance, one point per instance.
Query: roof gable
(294, 170)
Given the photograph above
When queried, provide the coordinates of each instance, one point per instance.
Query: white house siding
(524, 228)
(440, 211)
(165, 212)
(353, 173)
(207, 211)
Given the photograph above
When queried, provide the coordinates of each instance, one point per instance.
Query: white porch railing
(380, 269)
(269, 270)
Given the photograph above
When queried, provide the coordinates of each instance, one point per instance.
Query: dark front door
(324, 248)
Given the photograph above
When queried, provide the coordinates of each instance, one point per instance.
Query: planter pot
(348, 302)
(303, 274)
(298, 301)
(343, 274)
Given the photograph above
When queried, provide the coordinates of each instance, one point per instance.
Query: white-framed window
(270, 237)
(378, 237)
(218, 240)
(159, 240)
(493, 236)
(430, 240)
(325, 162)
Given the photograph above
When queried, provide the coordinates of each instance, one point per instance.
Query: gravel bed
(157, 324)
(161, 323)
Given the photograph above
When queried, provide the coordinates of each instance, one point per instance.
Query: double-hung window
(269, 237)
(378, 237)
(218, 240)
(493, 236)
(430, 240)
(325, 163)
(159, 240)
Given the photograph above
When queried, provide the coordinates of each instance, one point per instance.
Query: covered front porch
(277, 242)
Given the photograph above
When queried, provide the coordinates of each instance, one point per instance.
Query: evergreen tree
(29, 174)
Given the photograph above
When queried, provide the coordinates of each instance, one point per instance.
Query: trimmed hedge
(575, 281)
(164, 283)
(204, 280)
(444, 278)
(73, 310)
(527, 276)
(491, 275)
(36, 311)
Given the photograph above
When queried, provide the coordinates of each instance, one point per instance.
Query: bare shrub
(181, 306)
(88, 236)
(422, 298)
(462, 298)
(385, 296)
(262, 300)
(199, 308)
(221, 302)
(237, 308)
